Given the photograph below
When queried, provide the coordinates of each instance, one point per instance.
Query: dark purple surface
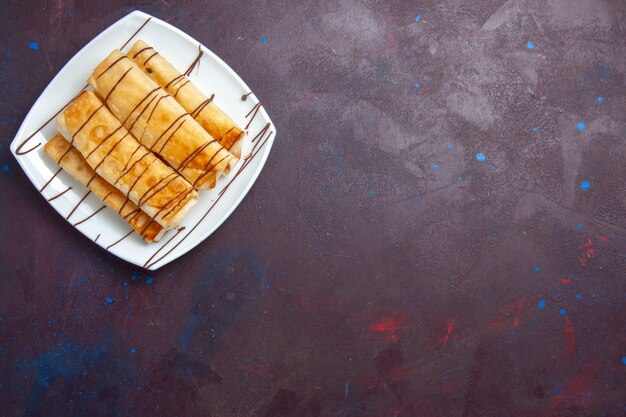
(377, 267)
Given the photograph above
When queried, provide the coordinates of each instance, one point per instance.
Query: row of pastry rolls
(159, 122)
(200, 107)
(124, 163)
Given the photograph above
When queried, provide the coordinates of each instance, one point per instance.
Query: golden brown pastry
(74, 164)
(159, 122)
(201, 107)
(124, 163)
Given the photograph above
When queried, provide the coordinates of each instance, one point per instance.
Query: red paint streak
(606, 239)
(587, 252)
(566, 281)
(449, 327)
(570, 337)
(520, 310)
(385, 325)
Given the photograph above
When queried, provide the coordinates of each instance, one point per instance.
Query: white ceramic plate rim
(178, 244)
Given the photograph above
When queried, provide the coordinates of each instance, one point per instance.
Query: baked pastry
(75, 164)
(159, 122)
(123, 162)
(201, 107)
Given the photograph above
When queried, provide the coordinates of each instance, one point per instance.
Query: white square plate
(106, 227)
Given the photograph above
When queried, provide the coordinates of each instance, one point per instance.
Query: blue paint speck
(542, 304)
(134, 277)
(34, 45)
(534, 129)
(267, 286)
(418, 18)
(449, 146)
(481, 157)
(435, 167)
(125, 283)
(584, 185)
(417, 85)
(579, 296)
(264, 39)
(108, 300)
(600, 99)
(133, 351)
(536, 269)
(149, 280)
(562, 312)
(5, 168)
(405, 49)
(579, 226)
(372, 193)
(624, 360)
(581, 126)
(530, 45)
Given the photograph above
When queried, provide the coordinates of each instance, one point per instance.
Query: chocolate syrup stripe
(146, 197)
(59, 195)
(111, 66)
(196, 112)
(90, 216)
(144, 49)
(169, 137)
(139, 104)
(195, 61)
(180, 229)
(122, 238)
(245, 96)
(78, 204)
(182, 85)
(151, 56)
(106, 99)
(178, 78)
(255, 109)
(130, 190)
(85, 123)
(18, 150)
(50, 180)
(151, 261)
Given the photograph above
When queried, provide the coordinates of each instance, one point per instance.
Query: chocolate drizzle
(97, 237)
(136, 32)
(59, 195)
(122, 238)
(245, 96)
(106, 99)
(90, 216)
(50, 180)
(149, 58)
(144, 49)
(180, 229)
(195, 61)
(201, 106)
(151, 261)
(78, 204)
(255, 109)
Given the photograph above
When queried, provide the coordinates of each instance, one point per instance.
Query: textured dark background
(377, 267)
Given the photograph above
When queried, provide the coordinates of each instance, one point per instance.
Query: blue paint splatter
(536, 269)
(584, 185)
(134, 277)
(264, 39)
(5, 168)
(481, 157)
(579, 296)
(418, 18)
(534, 129)
(133, 351)
(542, 304)
(557, 390)
(267, 286)
(581, 126)
(125, 283)
(600, 99)
(624, 360)
(417, 86)
(372, 193)
(405, 49)
(449, 146)
(346, 388)
(435, 167)
(149, 280)
(562, 312)
(530, 45)
(109, 300)
(34, 45)
(579, 226)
